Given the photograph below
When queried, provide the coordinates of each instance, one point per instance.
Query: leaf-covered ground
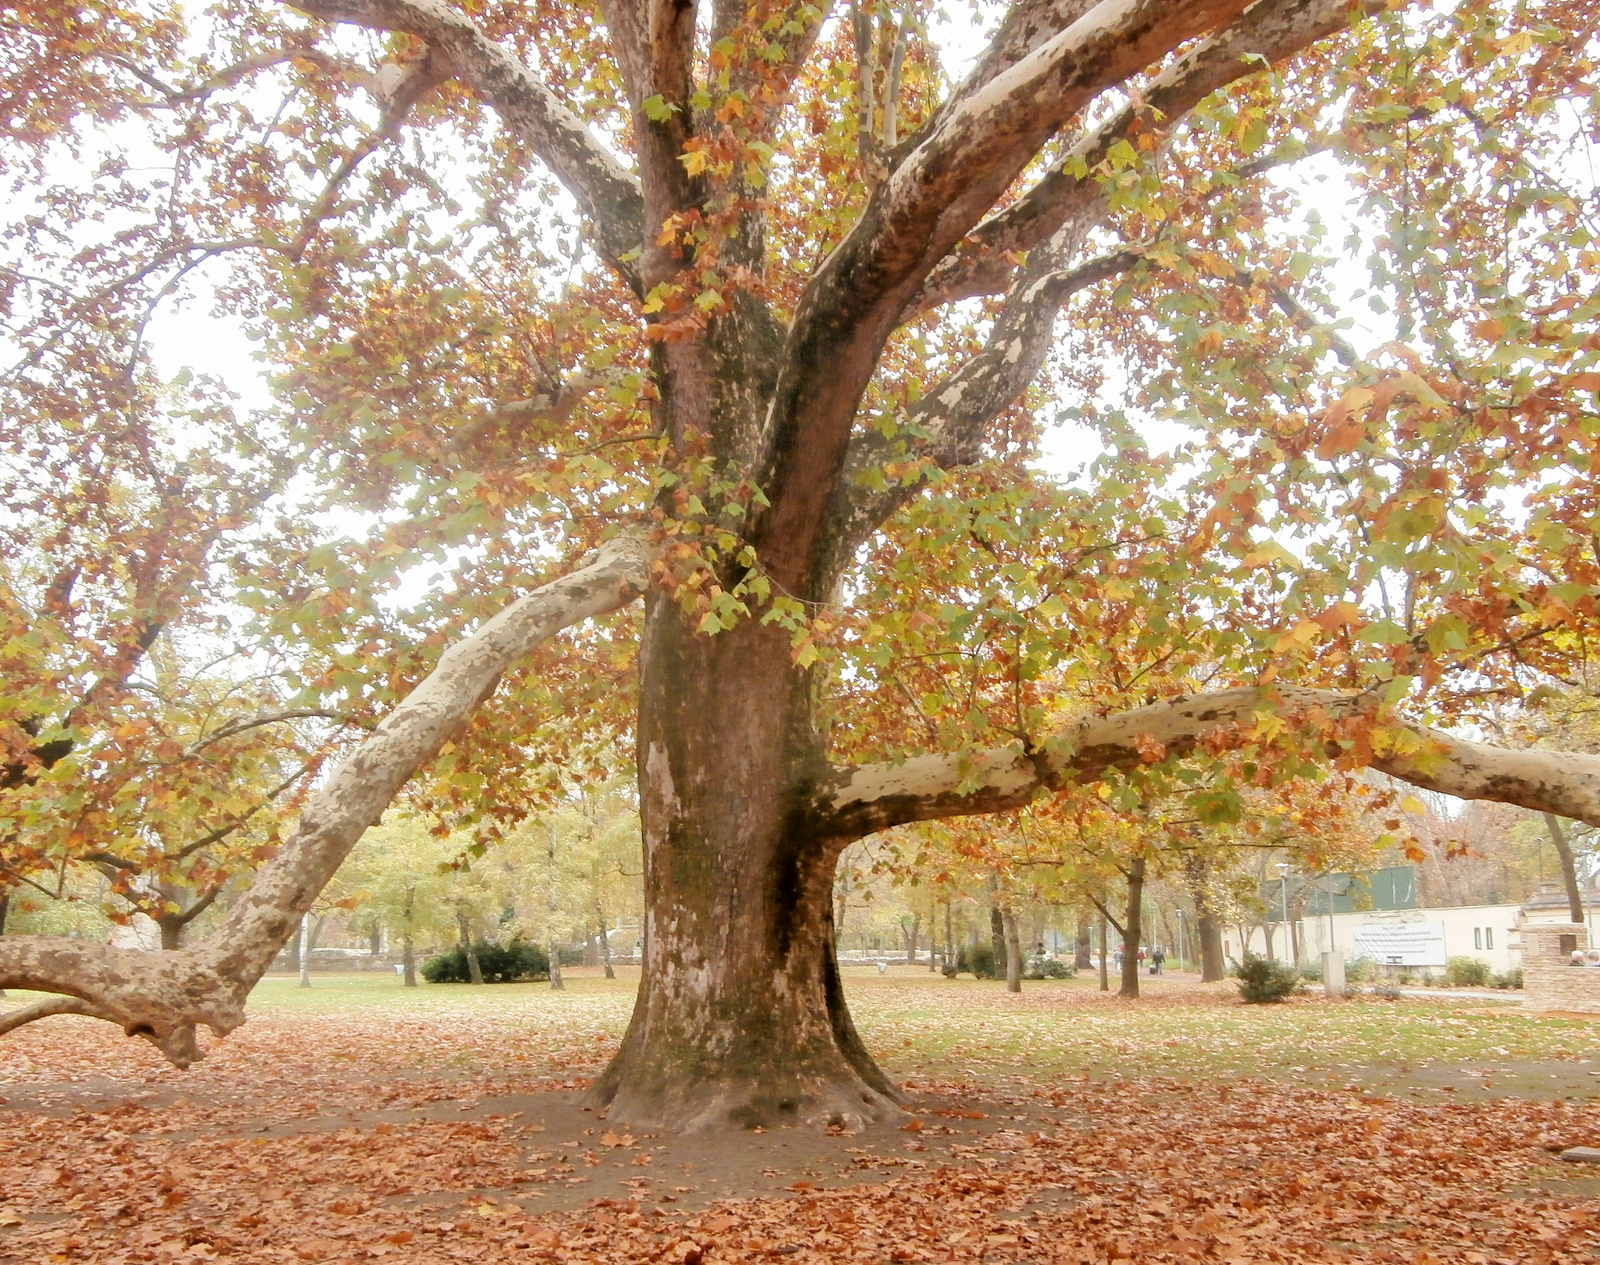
(360, 1122)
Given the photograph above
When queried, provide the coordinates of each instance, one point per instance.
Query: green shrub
(1262, 980)
(1360, 970)
(1511, 979)
(1311, 972)
(1043, 967)
(980, 960)
(500, 964)
(1465, 972)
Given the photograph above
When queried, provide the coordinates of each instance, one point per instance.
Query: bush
(1311, 972)
(1262, 980)
(1043, 967)
(1465, 972)
(500, 964)
(980, 960)
(1360, 970)
(1511, 979)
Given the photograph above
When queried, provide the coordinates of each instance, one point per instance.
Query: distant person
(1157, 960)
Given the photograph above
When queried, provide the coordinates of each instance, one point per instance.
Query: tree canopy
(1167, 403)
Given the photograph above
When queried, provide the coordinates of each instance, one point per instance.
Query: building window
(1488, 937)
(1477, 937)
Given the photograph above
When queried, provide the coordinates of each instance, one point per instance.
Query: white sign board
(1401, 943)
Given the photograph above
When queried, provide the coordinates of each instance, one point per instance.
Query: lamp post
(1332, 959)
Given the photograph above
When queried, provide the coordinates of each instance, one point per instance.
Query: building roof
(1554, 896)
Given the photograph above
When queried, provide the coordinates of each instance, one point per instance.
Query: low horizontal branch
(874, 797)
(164, 996)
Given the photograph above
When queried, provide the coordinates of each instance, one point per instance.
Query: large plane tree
(751, 324)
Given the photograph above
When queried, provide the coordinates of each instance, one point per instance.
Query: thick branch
(875, 796)
(951, 175)
(43, 1008)
(604, 189)
(1270, 32)
(955, 414)
(163, 996)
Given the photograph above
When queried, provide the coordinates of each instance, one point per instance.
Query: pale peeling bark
(607, 192)
(164, 996)
(1271, 31)
(876, 796)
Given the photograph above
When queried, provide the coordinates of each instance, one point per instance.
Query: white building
(1423, 938)
(1404, 937)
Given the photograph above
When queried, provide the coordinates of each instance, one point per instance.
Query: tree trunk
(1209, 929)
(408, 961)
(1105, 969)
(1083, 941)
(1131, 928)
(171, 932)
(5, 909)
(933, 934)
(556, 982)
(949, 939)
(997, 934)
(605, 940)
(1008, 921)
(304, 953)
(911, 940)
(375, 939)
(1569, 868)
(474, 971)
(739, 1020)
(1196, 869)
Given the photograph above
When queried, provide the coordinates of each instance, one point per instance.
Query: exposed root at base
(846, 1105)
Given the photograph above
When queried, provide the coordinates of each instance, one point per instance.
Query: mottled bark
(1013, 946)
(740, 1018)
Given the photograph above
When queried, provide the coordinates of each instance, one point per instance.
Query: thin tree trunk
(1131, 930)
(1008, 922)
(997, 934)
(305, 950)
(375, 939)
(1105, 968)
(949, 939)
(556, 982)
(1569, 868)
(474, 970)
(5, 909)
(911, 940)
(605, 941)
(1212, 964)
(933, 934)
(408, 959)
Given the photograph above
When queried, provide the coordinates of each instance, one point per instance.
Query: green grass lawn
(924, 1026)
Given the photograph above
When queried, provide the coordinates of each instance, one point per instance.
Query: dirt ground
(330, 1133)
